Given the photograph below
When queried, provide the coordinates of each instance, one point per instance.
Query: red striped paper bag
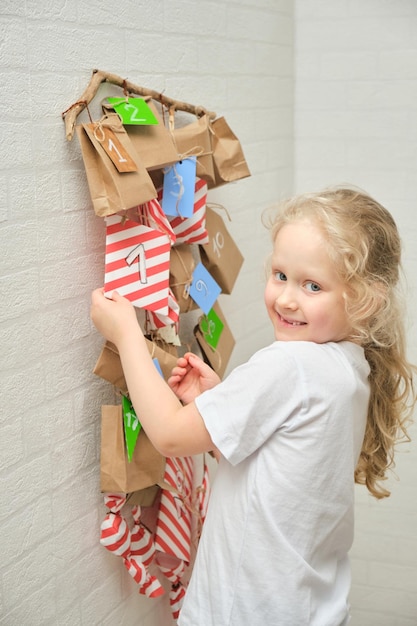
(137, 264)
(173, 527)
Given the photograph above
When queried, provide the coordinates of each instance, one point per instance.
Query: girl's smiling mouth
(288, 322)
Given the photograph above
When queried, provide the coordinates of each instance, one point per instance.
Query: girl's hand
(113, 317)
(190, 377)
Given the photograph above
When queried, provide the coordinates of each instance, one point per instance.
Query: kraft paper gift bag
(218, 353)
(144, 497)
(154, 144)
(109, 366)
(220, 256)
(118, 474)
(195, 140)
(117, 179)
(229, 160)
(165, 354)
(182, 265)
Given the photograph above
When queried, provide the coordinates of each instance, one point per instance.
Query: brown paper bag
(228, 157)
(218, 357)
(220, 256)
(194, 140)
(112, 190)
(166, 353)
(118, 474)
(144, 497)
(153, 143)
(181, 268)
(109, 366)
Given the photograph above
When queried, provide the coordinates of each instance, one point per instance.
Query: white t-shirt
(289, 425)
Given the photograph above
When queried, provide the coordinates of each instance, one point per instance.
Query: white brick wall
(232, 57)
(355, 121)
(355, 112)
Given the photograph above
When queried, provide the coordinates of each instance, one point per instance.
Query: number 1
(138, 252)
(111, 147)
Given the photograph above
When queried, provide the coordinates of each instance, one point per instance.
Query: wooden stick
(70, 115)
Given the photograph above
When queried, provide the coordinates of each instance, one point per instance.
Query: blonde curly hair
(365, 247)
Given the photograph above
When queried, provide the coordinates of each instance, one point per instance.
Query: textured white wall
(355, 121)
(234, 58)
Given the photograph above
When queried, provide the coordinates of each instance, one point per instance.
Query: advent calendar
(168, 250)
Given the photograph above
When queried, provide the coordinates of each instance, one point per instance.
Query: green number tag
(133, 111)
(211, 326)
(132, 426)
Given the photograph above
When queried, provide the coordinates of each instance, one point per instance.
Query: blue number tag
(179, 188)
(158, 367)
(204, 290)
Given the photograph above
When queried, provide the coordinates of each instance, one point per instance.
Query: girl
(294, 427)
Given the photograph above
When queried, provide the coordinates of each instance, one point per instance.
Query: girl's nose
(287, 298)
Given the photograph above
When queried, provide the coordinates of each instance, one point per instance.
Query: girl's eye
(314, 287)
(280, 276)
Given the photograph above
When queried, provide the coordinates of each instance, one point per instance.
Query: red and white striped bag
(114, 532)
(135, 547)
(137, 263)
(157, 321)
(173, 526)
(142, 551)
(151, 214)
(192, 229)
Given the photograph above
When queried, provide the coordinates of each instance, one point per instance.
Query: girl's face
(304, 294)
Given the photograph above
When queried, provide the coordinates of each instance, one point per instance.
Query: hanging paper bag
(144, 497)
(137, 263)
(109, 366)
(112, 190)
(164, 355)
(157, 321)
(151, 214)
(194, 140)
(181, 275)
(221, 256)
(153, 144)
(192, 229)
(228, 157)
(116, 473)
(219, 356)
(173, 528)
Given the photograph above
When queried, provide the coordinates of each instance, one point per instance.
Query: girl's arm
(174, 430)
